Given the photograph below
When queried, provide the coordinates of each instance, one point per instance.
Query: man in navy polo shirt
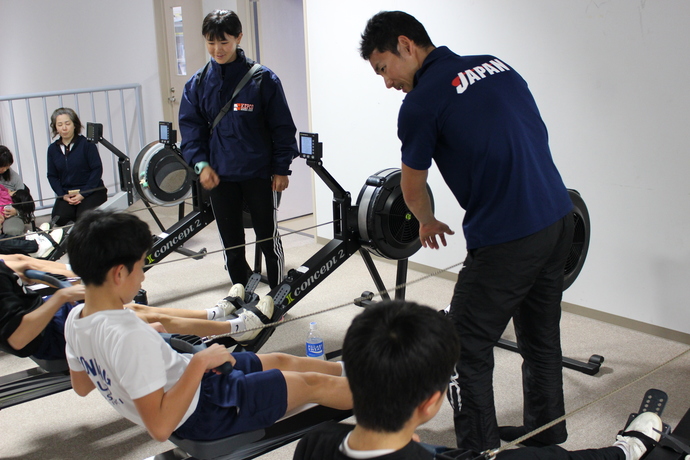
(476, 118)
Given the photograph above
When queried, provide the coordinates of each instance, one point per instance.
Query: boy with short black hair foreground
(145, 380)
(399, 356)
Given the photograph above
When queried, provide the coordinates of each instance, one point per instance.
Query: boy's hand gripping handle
(180, 344)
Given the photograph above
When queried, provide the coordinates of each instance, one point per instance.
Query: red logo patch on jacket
(240, 107)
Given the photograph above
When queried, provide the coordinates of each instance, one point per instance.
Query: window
(179, 41)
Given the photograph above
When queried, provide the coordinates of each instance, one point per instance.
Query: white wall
(610, 79)
(49, 45)
(281, 30)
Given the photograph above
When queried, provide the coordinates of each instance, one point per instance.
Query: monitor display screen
(307, 145)
(164, 132)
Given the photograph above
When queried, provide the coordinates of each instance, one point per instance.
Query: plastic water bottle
(314, 344)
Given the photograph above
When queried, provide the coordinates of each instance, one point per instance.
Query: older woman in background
(74, 169)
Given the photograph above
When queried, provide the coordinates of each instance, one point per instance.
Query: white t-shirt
(124, 357)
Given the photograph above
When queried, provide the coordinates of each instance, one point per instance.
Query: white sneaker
(645, 424)
(45, 247)
(252, 321)
(57, 235)
(229, 308)
(237, 290)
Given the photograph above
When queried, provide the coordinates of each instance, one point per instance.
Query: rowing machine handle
(180, 344)
(47, 278)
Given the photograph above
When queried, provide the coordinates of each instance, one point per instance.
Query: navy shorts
(53, 344)
(246, 399)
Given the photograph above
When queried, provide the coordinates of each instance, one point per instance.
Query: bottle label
(315, 350)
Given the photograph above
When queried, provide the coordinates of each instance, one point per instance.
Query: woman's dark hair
(6, 159)
(383, 29)
(24, 203)
(72, 116)
(220, 22)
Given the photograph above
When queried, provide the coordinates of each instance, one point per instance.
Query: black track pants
(226, 200)
(523, 280)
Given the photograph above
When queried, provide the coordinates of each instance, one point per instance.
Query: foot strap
(49, 238)
(264, 319)
(648, 442)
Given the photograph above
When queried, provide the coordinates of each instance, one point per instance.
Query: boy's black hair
(220, 22)
(383, 29)
(101, 240)
(6, 159)
(72, 116)
(397, 354)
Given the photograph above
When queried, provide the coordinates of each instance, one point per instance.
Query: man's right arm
(413, 184)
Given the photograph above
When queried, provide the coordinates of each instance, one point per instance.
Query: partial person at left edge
(74, 169)
(13, 217)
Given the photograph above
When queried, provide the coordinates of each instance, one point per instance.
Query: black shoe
(511, 433)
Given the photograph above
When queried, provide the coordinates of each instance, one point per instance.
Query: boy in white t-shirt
(146, 381)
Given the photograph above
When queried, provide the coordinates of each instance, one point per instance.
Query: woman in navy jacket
(246, 157)
(74, 169)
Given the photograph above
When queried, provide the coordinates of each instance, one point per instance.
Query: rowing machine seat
(254, 443)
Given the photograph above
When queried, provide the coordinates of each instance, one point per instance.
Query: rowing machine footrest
(653, 401)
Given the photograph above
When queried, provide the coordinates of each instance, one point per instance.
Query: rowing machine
(380, 223)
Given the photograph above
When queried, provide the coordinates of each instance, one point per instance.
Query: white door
(185, 47)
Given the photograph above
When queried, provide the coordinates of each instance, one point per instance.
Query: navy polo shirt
(476, 118)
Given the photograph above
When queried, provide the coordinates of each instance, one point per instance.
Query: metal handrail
(117, 107)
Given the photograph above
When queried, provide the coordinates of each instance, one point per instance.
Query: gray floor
(65, 426)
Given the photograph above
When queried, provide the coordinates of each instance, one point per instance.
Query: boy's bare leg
(310, 380)
(184, 322)
(312, 387)
(200, 327)
(285, 362)
(145, 312)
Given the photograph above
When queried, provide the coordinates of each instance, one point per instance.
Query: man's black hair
(101, 240)
(6, 159)
(220, 22)
(397, 354)
(383, 29)
(72, 116)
